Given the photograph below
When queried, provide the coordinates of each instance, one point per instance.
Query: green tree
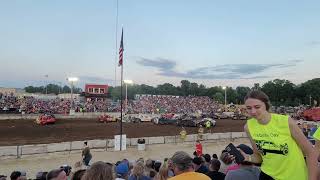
(219, 97)
(185, 87)
(241, 93)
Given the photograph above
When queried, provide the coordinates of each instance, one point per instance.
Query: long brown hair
(260, 95)
(163, 173)
(99, 171)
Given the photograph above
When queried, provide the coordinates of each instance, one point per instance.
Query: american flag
(121, 50)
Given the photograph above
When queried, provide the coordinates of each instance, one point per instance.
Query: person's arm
(255, 157)
(306, 147)
(317, 146)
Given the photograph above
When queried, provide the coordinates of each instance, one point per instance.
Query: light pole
(127, 82)
(225, 97)
(46, 83)
(72, 80)
(310, 100)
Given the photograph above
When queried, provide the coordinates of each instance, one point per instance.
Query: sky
(215, 43)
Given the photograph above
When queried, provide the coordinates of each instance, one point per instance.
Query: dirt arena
(20, 132)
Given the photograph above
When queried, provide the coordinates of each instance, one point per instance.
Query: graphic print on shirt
(265, 147)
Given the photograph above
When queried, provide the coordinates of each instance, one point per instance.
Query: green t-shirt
(282, 158)
(316, 135)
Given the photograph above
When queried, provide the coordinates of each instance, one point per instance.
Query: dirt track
(19, 132)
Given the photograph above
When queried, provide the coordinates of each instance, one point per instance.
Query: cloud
(167, 67)
(163, 64)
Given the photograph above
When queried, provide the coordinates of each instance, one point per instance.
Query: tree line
(280, 91)
(51, 89)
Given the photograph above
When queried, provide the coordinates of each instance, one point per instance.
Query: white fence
(108, 144)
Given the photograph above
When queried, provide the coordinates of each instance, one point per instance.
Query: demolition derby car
(104, 118)
(189, 120)
(45, 119)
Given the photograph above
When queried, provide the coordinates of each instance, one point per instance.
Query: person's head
(57, 174)
(15, 175)
(197, 161)
(163, 173)
(98, 170)
(78, 174)
(41, 176)
(181, 162)
(195, 154)
(257, 104)
(3, 177)
(138, 169)
(157, 165)
(152, 174)
(67, 169)
(214, 156)
(149, 163)
(215, 165)
(122, 170)
(207, 158)
(85, 143)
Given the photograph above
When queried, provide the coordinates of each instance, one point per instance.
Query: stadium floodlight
(225, 97)
(127, 81)
(72, 80)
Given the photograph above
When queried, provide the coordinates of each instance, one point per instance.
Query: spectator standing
(278, 143)
(86, 155)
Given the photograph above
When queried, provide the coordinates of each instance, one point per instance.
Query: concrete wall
(108, 144)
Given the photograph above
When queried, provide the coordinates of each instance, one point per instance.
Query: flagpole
(121, 85)
(121, 107)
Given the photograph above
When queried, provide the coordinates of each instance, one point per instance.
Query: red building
(95, 92)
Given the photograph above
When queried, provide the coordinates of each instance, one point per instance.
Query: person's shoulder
(201, 176)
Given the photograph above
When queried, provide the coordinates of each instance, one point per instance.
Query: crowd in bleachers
(29, 105)
(148, 104)
(180, 166)
(145, 104)
(173, 104)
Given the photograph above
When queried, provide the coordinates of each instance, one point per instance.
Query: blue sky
(227, 43)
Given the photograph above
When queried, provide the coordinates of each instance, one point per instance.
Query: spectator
(78, 174)
(98, 171)
(278, 143)
(214, 156)
(163, 173)
(183, 168)
(149, 167)
(207, 158)
(157, 166)
(15, 175)
(246, 170)
(41, 176)
(86, 155)
(199, 165)
(122, 171)
(214, 173)
(3, 177)
(57, 174)
(18, 175)
(137, 172)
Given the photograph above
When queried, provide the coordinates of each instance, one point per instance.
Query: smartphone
(231, 149)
